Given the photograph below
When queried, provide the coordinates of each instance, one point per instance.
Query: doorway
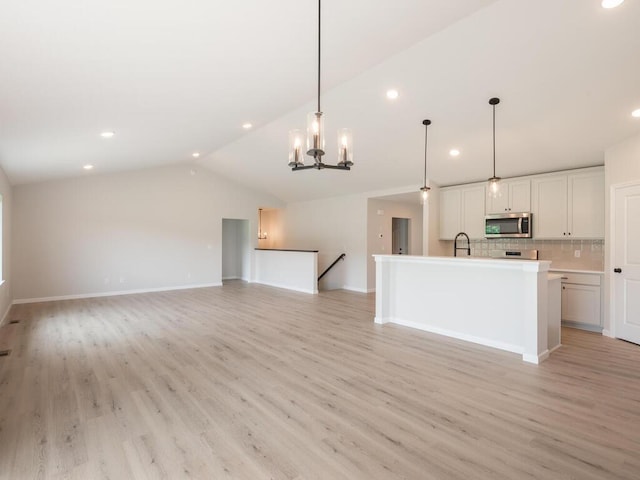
(236, 249)
(626, 262)
(400, 236)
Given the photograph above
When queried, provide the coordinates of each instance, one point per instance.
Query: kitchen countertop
(570, 270)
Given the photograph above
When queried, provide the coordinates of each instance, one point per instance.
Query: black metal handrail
(341, 257)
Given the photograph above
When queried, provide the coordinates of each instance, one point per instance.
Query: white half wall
(151, 229)
(332, 226)
(287, 269)
(621, 165)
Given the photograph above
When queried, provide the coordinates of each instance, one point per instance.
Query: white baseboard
(453, 334)
(111, 294)
(231, 278)
(6, 314)
(355, 289)
(286, 287)
(607, 333)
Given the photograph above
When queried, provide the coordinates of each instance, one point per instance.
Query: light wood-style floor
(251, 382)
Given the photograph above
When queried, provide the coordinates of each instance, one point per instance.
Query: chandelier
(315, 141)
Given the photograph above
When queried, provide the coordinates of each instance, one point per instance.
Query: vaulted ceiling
(171, 78)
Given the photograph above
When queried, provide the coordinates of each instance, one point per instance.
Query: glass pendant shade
(345, 147)
(494, 187)
(424, 193)
(315, 134)
(296, 155)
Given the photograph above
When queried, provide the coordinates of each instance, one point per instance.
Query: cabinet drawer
(580, 278)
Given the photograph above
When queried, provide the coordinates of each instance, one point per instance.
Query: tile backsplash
(561, 253)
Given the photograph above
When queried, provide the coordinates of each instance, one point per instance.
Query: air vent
(13, 322)
(4, 353)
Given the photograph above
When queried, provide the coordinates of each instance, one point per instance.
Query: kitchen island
(498, 303)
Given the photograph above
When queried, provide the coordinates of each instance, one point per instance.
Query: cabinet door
(581, 304)
(549, 206)
(586, 205)
(520, 196)
(499, 204)
(473, 211)
(450, 213)
(515, 196)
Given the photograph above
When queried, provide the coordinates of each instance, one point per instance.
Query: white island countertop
(494, 302)
(572, 270)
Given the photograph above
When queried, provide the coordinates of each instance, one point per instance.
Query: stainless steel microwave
(508, 225)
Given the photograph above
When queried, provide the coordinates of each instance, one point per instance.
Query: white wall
(150, 229)
(380, 224)
(332, 226)
(6, 297)
(621, 165)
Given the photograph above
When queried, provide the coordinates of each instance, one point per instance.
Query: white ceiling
(175, 77)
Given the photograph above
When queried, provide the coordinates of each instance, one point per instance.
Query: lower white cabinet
(581, 300)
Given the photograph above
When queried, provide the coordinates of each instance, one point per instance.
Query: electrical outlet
(576, 253)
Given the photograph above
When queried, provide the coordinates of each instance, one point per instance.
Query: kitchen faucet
(455, 244)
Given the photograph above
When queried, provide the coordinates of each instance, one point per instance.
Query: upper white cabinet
(450, 205)
(586, 204)
(568, 205)
(462, 210)
(515, 196)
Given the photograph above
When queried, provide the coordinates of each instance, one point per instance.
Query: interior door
(400, 236)
(626, 263)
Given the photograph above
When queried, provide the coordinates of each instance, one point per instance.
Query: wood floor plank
(252, 382)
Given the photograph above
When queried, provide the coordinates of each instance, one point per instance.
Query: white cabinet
(568, 205)
(450, 206)
(515, 197)
(549, 206)
(462, 210)
(581, 300)
(586, 204)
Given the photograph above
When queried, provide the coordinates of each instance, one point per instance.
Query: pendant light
(315, 134)
(261, 235)
(424, 189)
(494, 182)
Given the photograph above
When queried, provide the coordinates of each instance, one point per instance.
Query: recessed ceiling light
(247, 126)
(392, 94)
(454, 152)
(195, 154)
(107, 134)
(88, 167)
(611, 3)
(636, 113)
